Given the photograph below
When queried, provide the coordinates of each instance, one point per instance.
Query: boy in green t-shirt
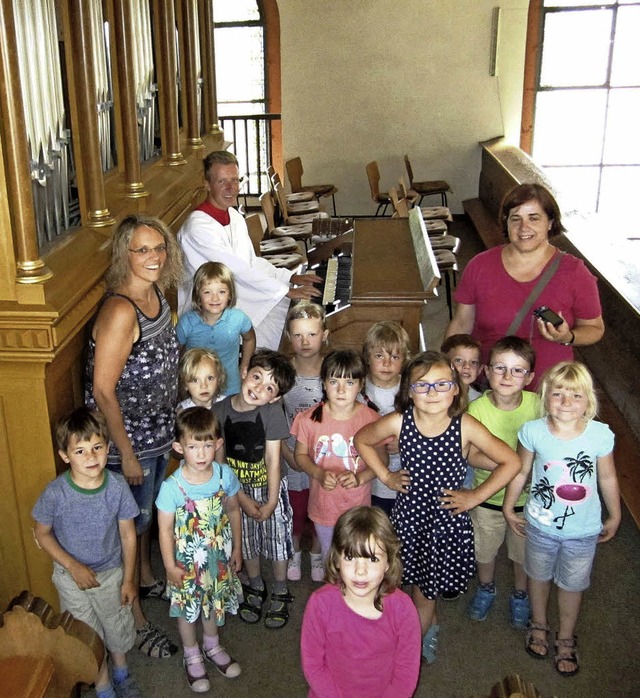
(503, 410)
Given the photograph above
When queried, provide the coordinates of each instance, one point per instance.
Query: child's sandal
(572, 645)
(199, 682)
(250, 609)
(157, 590)
(154, 643)
(278, 614)
(229, 670)
(530, 641)
(430, 644)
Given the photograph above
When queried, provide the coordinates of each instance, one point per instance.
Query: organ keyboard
(336, 281)
(384, 269)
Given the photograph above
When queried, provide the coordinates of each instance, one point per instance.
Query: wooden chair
(281, 252)
(428, 212)
(439, 239)
(294, 173)
(301, 232)
(513, 686)
(296, 198)
(288, 218)
(427, 188)
(380, 198)
(300, 207)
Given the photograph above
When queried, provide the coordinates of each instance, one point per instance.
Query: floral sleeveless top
(148, 387)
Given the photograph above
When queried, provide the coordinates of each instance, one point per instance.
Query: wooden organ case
(94, 81)
(393, 274)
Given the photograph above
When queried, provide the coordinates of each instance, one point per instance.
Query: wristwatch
(571, 341)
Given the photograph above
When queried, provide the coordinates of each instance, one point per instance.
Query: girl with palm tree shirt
(572, 460)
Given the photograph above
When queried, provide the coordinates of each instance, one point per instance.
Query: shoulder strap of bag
(535, 292)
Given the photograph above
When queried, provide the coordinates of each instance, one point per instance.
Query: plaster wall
(370, 80)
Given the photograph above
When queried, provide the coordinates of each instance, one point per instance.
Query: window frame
(532, 88)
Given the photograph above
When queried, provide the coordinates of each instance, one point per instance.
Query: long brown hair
(352, 536)
(418, 366)
(172, 271)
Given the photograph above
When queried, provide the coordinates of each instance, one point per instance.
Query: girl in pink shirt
(339, 478)
(360, 633)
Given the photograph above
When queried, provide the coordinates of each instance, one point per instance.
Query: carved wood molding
(31, 628)
(32, 337)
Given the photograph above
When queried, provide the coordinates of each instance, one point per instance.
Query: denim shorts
(154, 470)
(567, 561)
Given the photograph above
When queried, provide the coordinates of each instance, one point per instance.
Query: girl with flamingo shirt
(339, 478)
(571, 459)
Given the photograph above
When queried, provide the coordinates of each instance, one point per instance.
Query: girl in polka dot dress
(430, 514)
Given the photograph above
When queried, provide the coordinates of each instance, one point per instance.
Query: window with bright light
(239, 32)
(240, 69)
(588, 102)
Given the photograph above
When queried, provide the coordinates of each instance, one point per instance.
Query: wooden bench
(503, 167)
(485, 223)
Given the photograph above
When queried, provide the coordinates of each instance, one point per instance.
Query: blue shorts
(154, 470)
(567, 561)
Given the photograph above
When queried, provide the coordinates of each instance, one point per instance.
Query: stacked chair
(280, 251)
(293, 214)
(296, 198)
(294, 173)
(300, 232)
(429, 213)
(444, 246)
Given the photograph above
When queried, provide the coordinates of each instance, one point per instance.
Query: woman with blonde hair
(132, 378)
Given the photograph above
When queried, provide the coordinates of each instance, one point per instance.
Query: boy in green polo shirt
(503, 410)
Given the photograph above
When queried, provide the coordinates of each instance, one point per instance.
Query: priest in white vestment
(216, 232)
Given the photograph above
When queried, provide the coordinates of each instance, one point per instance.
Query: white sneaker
(294, 570)
(317, 567)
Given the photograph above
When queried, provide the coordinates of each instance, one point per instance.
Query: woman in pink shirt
(496, 283)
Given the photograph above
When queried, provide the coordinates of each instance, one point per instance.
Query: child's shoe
(196, 673)
(430, 644)
(317, 567)
(480, 605)
(450, 595)
(229, 669)
(294, 569)
(519, 611)
(127, 688)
